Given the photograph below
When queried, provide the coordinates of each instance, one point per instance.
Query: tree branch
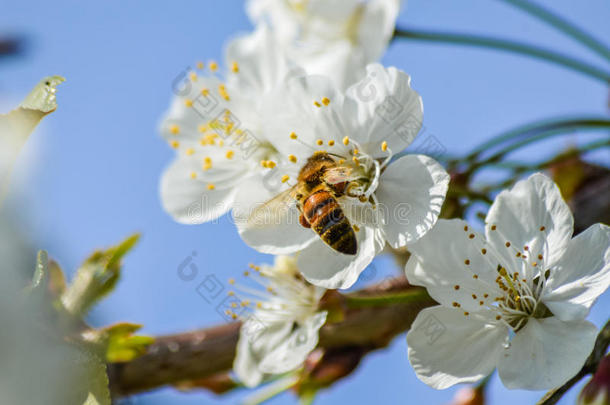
(207, 352)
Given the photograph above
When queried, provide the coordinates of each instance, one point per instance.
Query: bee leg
(304, 222)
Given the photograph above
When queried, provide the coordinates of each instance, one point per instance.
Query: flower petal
(325, 267)
(377, 26)
(411, 193)
(189, 200)
(268, 220)
(531, 214)
(447, 348)
(387, 109)
(449, 261)
(546, 353)
(581, 275)
(292, 352)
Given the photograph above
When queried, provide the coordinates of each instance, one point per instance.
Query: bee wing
(273, 210)
(339, 174)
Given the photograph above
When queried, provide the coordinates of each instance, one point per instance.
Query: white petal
(387, 109)
(439, 264)
(292, 352)
(581, 275)
(260, 61)
(188, 200)
(519, 215)
(377, 26)
(269, 227)
(447, 348)
(246, 363)
(546, 353)
(325, 267)
(411, 193)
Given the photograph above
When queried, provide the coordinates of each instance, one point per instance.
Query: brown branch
(599, 351)
(201, 354)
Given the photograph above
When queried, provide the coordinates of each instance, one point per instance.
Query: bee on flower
(342, 194)
(515, 298)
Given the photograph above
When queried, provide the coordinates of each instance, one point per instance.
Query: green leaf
(96, 277)
(122, 345)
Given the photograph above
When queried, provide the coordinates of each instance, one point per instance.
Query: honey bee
(320, 183)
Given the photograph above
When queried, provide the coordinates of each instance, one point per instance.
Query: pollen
(331, 143)
(319, 142)
(202, 128)
(465, 228)
(356, 228)
(193, 175)
(188, 103)
(230, 154)
(346, 140)
(355, 159)
(190, 151)
(384, 146)
(326, 101)
(455, 304)
(542, 228)
(270, 164)
(211, 186)
(466, 313)
(205, 92)
(493, 227)
(498, 317)
(231, 281)
(507, 244)
(456, 287)
(174, 144)
(174, 129)
(483, 251)
(292, 158)
(293, 135)
(193, 76)
(317, 104)
(471, 236)
(341, 161)
(475, 276)
(539, 257)
(285, 178)
(235, 67)
(200, 65)
(213, 66)
(466, 262)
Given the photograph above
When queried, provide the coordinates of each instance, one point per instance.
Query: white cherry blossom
(385, 201)
(515, 298)
(282, 326)
(334, 38)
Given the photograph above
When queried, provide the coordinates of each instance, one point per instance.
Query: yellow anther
(174, 129)
(230, 154)
(175, 144)
(205, 92)
(384, 146)
(270, 164)
(213, 66)
(211, 186)
(234, 67)
(188, 103)
(341, 161)
(246, 273)
(331, 143)
(346, 140)
(234, 305)
(317, 104)
(292, 158)
(189, 151)
(193, 76)
(293, 135)
(259, 305)
(200, 65)
(207, 160)
(319, 142)
(231, 281)
(356, 228)
(326, 101)
(231, 293)
(270, 289)
(221, 142)
(456, 287)
(356, 161)
(355, 151)
(285, 178)
(193, 175)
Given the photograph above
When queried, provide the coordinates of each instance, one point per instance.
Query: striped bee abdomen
(326, 218)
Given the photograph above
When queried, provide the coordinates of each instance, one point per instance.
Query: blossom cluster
(301, 137)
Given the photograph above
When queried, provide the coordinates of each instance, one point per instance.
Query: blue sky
(94, 165)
